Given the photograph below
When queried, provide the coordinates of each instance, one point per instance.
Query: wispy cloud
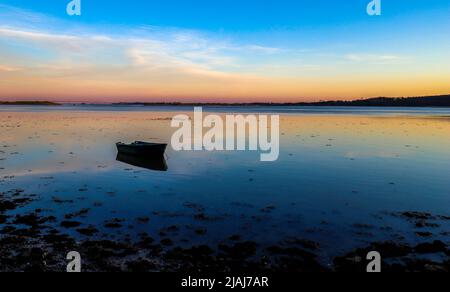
(143, 61)
(5, 68)
(377, 58)
(156, 49)
(49, 40)
(261, 49)
(145, 46)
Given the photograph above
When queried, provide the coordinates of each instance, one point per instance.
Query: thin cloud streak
(378, 59)
(5, 68)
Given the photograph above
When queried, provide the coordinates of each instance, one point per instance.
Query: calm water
(339, 168)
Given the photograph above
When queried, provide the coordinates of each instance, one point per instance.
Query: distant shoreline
(422, 101)
(38, 103)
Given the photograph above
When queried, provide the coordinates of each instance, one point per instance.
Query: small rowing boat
(142, 149)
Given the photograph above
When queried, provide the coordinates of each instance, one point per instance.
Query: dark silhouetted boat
(142, 149)
(157, 163)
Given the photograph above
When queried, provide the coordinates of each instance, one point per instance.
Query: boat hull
(147, 150)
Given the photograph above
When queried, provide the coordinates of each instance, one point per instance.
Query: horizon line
(216, 103)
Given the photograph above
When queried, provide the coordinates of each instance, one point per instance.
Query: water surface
(342, 175)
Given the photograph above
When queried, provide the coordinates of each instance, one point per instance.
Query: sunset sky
(225, 51)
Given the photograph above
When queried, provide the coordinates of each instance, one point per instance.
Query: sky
(222, 51)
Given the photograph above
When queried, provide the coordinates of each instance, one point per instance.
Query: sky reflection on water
(334, 171)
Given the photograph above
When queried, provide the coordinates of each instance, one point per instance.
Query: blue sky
(233, 15)
(194, 49)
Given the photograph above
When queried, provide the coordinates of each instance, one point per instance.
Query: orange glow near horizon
(232, 89)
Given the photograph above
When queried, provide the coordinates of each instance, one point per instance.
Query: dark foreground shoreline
(30, 242)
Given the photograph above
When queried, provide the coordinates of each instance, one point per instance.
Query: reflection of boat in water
(142, 149)
(142, 154)
(152, 163)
